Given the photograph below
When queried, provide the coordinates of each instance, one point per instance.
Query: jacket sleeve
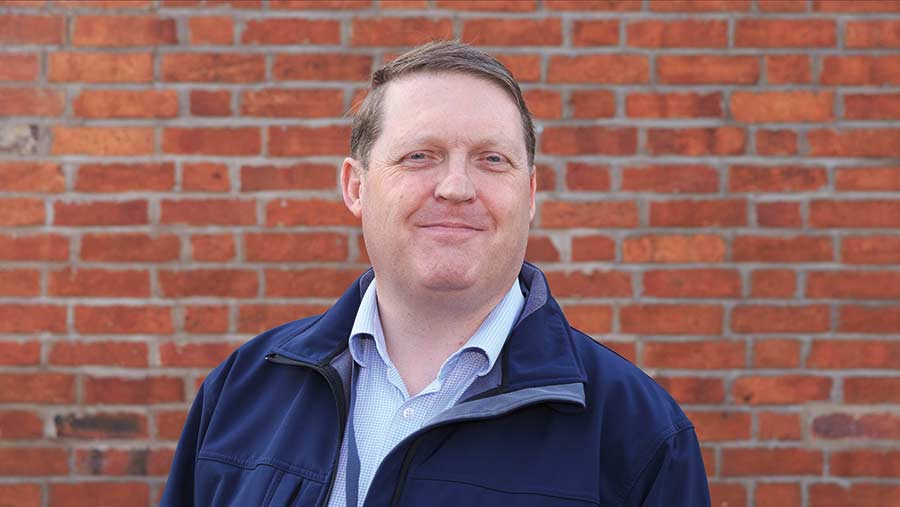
(674, 476)
(179, 489)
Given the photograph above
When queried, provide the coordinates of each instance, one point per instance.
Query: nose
(454, 184)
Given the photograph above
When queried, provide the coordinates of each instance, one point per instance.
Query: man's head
(442, 174)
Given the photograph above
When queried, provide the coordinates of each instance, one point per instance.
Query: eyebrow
(485, 142)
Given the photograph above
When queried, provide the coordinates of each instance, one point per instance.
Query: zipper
(337, 388)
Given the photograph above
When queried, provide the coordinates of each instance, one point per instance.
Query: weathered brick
(123, 31)
(782, 249)
(126, 104)
(596, 69)
(562, 214)
(87, 213)
(697, 141)
(386, 31)
(314, 212)
(780, 390)
(124, 319)
(71, 353)
(674, 105)
(209, 282)
(780, 33)
(86, 282)
(208, 212)
(707, 69)
(674, 248)
(129, 247)
(671, 319)
(213, 67)
(590, 284)
(102, 141)
(303, 103)
(125, 177)
(300, 141)
(780, 319)
(680, 33)
(595, 32)
(100, 67)
(710, 354)
(322, 66)
(292, 31)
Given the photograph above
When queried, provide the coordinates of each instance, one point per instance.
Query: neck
(422, 331)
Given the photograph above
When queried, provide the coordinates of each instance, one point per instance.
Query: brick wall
(719, 186)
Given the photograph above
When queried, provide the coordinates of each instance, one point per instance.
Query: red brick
(800, 106)
(592, 284)
(322, 66)
(864, 495)
(773, 283)
(587, 177)
(123, 31)
(699, 5)
(673, 105)
(865, 463)
(778, 214)
(129, 248)
(292, 31)
(671, 178)
(195, 354)
(100, 213)
(212, 141)
(125, 177)
(320, 4)
(312, 282)
(868, 178)
(544, 104)
(123, 319)
(126, 104)
(880, 426)
(209, 282)
(717, 213)
(210, 102)
(101, 67)
(20, 424)
(121, 462)
(296, 247)
(782, 249)
(589, 140)
(710, 354)
(206, 319)
(780, 426)
(33, 461)
(31, 318)
(258, 318)
(126, 354)
(861, 319)
(23, 29)
(692, 283)
(785, 33)
(595, 32)
(596, 69)
(688, 390)
(725, 494)
(861, 70)
(478, 5)
(593, 248)
(593, 5)
(872, 390)
(212, 247)
(868, 214)
(304, 103)
(169, 424)
(679, 33)
(780, 319)
(872, 107)
(31, 102)
(786, 178)
(782, 5)
(776, 353)
(671, 319)
(525, 68)
(872, 34)
(102, 141)
(855, 6)
(717, 426)
(20, 353)
(294, 177)
(98, 283)
(399, 31)
(86, 494)
(590, 319)
(777, 494)
(40, 247)
(593, 103)
(21, 495)
(776, 142)
(284, 212)
(512, 32)
(20, 282)
(103, 4)
(209, 212)
(541, 249)
(205, 177)
(707, 69)
(133, 391)
(845, 354)
(697, 141)
(19, 212)
(211, 30)
(788, 69)
(36, 388)
(853, 285)
(870, 250)
(781, 390)
(213, 67)
(297, 141)
(19, 67)
(674, 248)
(560, 214)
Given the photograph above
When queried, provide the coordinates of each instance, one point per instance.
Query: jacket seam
(501, 490)
(251, 464)
(676, 428)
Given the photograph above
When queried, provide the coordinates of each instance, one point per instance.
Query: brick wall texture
(719, 202)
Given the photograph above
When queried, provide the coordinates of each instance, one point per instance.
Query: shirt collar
(488, 339)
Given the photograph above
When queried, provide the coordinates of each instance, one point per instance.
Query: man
(447, 374)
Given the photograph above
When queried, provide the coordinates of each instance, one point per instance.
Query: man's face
(448, 197)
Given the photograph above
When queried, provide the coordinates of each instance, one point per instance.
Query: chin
(448, 276)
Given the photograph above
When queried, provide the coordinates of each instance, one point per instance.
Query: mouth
(450, 227)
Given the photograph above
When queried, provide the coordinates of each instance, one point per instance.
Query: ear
(533, 184)
(351, 184)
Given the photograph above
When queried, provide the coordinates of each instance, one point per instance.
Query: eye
(494, 158)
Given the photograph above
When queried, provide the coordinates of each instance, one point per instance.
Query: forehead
(452, 106)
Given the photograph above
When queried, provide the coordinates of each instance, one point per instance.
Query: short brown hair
(438, 56)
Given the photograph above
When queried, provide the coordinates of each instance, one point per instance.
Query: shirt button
(407, 413)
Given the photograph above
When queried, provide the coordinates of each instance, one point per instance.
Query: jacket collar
(538, 352)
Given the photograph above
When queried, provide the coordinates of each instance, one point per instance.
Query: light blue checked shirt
(384, 413)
